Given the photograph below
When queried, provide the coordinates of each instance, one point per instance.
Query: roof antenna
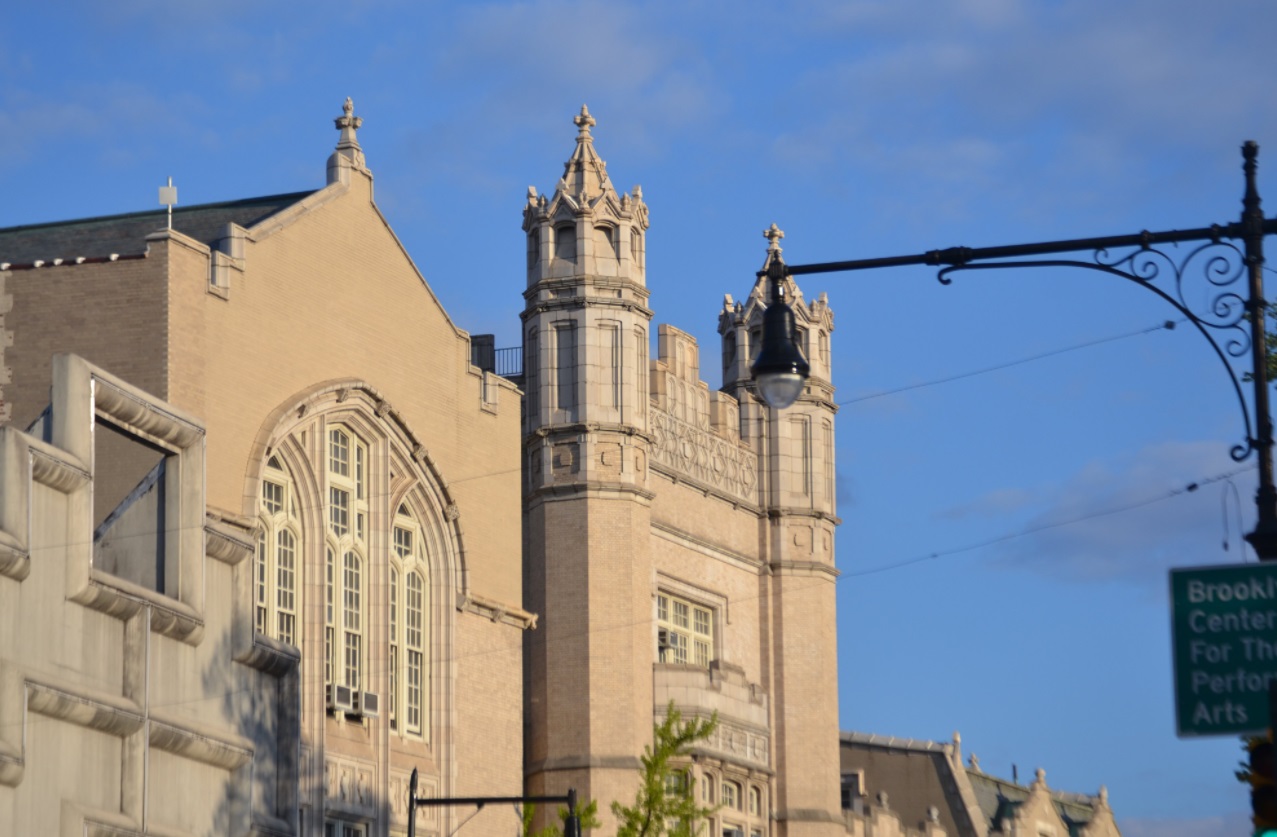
(168, 197)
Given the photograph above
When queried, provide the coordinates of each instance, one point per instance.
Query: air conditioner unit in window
(662, 642)
(368, 704)
(341, 698)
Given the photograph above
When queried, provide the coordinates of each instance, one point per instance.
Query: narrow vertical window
(414, 623)
(828, 458)
(410, 663)
(800, 436)
(565, 242)
(352, 619)
(531, 367)
(610, 354)
(275, 575)
(339, 510)
(339, 452)
(348, 508)
(565, 366)
(261, 610)
(286, 586)
(394, 649)
(640, 371)
(329, 614)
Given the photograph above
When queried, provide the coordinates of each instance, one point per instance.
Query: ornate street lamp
(780, 370)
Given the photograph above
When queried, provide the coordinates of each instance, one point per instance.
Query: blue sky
(862, 129)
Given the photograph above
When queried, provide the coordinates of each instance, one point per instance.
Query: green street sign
(1224, 635)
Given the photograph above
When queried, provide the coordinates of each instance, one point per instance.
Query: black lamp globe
(780, 369)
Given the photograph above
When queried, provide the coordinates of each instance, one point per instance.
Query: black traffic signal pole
(1239, 320)
(572, 828)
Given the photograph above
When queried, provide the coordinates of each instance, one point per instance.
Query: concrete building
(255, 566)
(902, 787)
(679, 539)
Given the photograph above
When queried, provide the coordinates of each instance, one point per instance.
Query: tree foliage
(666, 803)
(587, 812)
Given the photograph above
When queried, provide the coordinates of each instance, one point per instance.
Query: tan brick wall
(332, 296)
(112, 314)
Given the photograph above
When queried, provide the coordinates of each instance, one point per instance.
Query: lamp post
(571, 824)
(780, 368)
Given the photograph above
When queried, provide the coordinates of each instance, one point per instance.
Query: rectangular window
(829, 462)
(801, 437)
(352, 620)
(414, 639)
(260, 611)
(286, 586)
(272, 497)
(359, 472)
(339, 452)
(334, 828)
(329, 616)
(685, 631)
(610, 351)
(403, 541)
(731, 795)
(640, 373)
(565, 366)
(339, 510)
(531, 364)
(394, 646)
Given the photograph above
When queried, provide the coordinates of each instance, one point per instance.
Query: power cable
(1032, 530)
(1168, 325)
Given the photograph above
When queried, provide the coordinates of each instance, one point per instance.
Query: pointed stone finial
(1104, 795)
(348, 154)
(975, 762)
(584, 122)
(773, 234)
(348, 124)
(1039, 777)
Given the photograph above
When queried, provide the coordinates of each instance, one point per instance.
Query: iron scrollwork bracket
(1220, 314)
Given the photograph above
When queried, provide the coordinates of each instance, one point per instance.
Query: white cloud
(1132, 519)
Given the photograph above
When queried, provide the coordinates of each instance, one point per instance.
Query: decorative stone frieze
(686, 451)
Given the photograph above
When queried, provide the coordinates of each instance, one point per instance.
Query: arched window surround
(399, 471)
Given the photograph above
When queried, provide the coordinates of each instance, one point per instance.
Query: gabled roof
(999, 799)
(126, 234)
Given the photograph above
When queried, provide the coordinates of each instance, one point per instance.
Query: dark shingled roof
(999, 799)
(126, 234)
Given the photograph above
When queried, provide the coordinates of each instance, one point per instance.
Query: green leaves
(666, 801)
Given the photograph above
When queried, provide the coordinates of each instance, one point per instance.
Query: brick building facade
(679, 538)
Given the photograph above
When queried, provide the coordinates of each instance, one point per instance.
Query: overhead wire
(1167, 325)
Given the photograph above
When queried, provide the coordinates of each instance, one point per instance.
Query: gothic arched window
(345, 583)
(275, 601)
(409, 634)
